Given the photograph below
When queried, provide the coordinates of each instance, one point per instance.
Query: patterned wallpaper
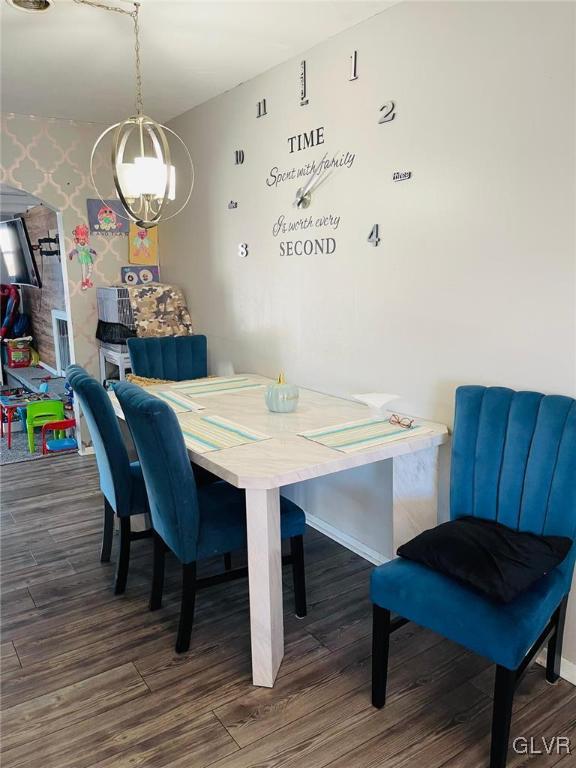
(50, 158)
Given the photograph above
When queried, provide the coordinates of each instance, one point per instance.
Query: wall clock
(307, 228)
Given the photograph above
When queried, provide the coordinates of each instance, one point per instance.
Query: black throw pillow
(495, 560)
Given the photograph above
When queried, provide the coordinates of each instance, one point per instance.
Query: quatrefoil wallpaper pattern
(50, 158)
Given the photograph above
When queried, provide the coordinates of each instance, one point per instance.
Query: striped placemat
(357, 435)
(178, 401)
(213, 433)
(216, 386)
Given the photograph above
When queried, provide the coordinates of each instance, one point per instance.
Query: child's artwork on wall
(107, 217)
(84, 253)
(143, 245)
(140, 275)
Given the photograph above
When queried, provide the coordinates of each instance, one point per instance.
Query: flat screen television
(17, 263)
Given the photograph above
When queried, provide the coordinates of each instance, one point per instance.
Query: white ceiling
(78, 62)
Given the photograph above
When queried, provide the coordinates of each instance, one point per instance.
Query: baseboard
(347, 541)
(567, 668)
(86, 450)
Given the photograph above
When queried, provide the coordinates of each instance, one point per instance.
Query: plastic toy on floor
(41, 413)
(58, 444)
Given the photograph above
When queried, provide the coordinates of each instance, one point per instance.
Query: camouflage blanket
(159, 310)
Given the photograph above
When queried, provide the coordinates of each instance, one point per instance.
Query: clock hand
(303, 191)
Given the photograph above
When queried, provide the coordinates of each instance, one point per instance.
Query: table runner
(357, 435)
(213, 433)
(216, 386)
(178, 401)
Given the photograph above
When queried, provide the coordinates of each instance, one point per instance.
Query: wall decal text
(307, 247)
(305, 140)
(401, 175)
(278, 176)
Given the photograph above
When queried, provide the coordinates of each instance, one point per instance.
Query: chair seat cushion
(223, 519)
(500, 632)
(494, 559)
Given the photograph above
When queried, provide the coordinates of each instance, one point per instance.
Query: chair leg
(554, 656)
(123, 556)
(502, 715)
(380, 648)
(187, 607)
(227, 561)
(298, 575)
(157, 573)
(30, 431)
(107, 533)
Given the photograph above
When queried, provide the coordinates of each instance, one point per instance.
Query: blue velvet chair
(175, 358)
(195, 523)
(514, 461)
(121, 481)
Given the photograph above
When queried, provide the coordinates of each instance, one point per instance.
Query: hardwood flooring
(89, 679)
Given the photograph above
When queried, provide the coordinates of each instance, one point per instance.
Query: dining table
(279, 449)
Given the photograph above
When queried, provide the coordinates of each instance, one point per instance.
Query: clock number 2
(388, 112)
(243, 250)
(374, 236)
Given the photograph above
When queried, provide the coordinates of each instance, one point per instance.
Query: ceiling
(78, 62)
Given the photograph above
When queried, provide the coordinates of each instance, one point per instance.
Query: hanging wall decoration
(139, 275)
(143, 245)
(106, 217)
(84, 254)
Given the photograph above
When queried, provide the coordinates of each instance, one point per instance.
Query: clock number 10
(374, 236)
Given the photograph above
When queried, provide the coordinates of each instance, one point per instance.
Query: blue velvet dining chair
(175, 358)
(121, 481)
(194, 522)
(513, 461)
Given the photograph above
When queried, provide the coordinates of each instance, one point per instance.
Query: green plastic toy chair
(42, 412)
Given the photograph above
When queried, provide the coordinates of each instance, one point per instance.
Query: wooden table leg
(265, 580)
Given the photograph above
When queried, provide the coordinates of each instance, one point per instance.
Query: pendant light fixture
(142, 154)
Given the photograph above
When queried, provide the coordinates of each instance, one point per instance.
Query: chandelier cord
(134, 15)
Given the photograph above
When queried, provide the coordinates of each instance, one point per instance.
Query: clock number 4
(243, 250)
(374, 236)
(388, 112)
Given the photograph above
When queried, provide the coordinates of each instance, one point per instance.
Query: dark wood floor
(91, 680)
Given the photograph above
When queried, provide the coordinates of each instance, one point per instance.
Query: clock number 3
(374, 236)
(388, 112)
(243, 250)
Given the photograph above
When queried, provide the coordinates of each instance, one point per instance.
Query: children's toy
(19, 352)
(15, 400)
(62, 443)
(84, 253)
(42, 413)
(9, 302)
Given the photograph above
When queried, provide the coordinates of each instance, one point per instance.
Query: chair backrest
(166, 467)
(514, 459)
(44, 409)
(111, 454)
(175, 358)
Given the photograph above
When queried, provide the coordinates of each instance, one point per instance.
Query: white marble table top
(286, 457)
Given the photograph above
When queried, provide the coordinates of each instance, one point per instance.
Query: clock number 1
(388, 112)
(374, 236)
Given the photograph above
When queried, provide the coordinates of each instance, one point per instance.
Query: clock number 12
(374, 236)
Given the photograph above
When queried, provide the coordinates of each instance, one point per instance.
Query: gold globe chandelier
(141, 154)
